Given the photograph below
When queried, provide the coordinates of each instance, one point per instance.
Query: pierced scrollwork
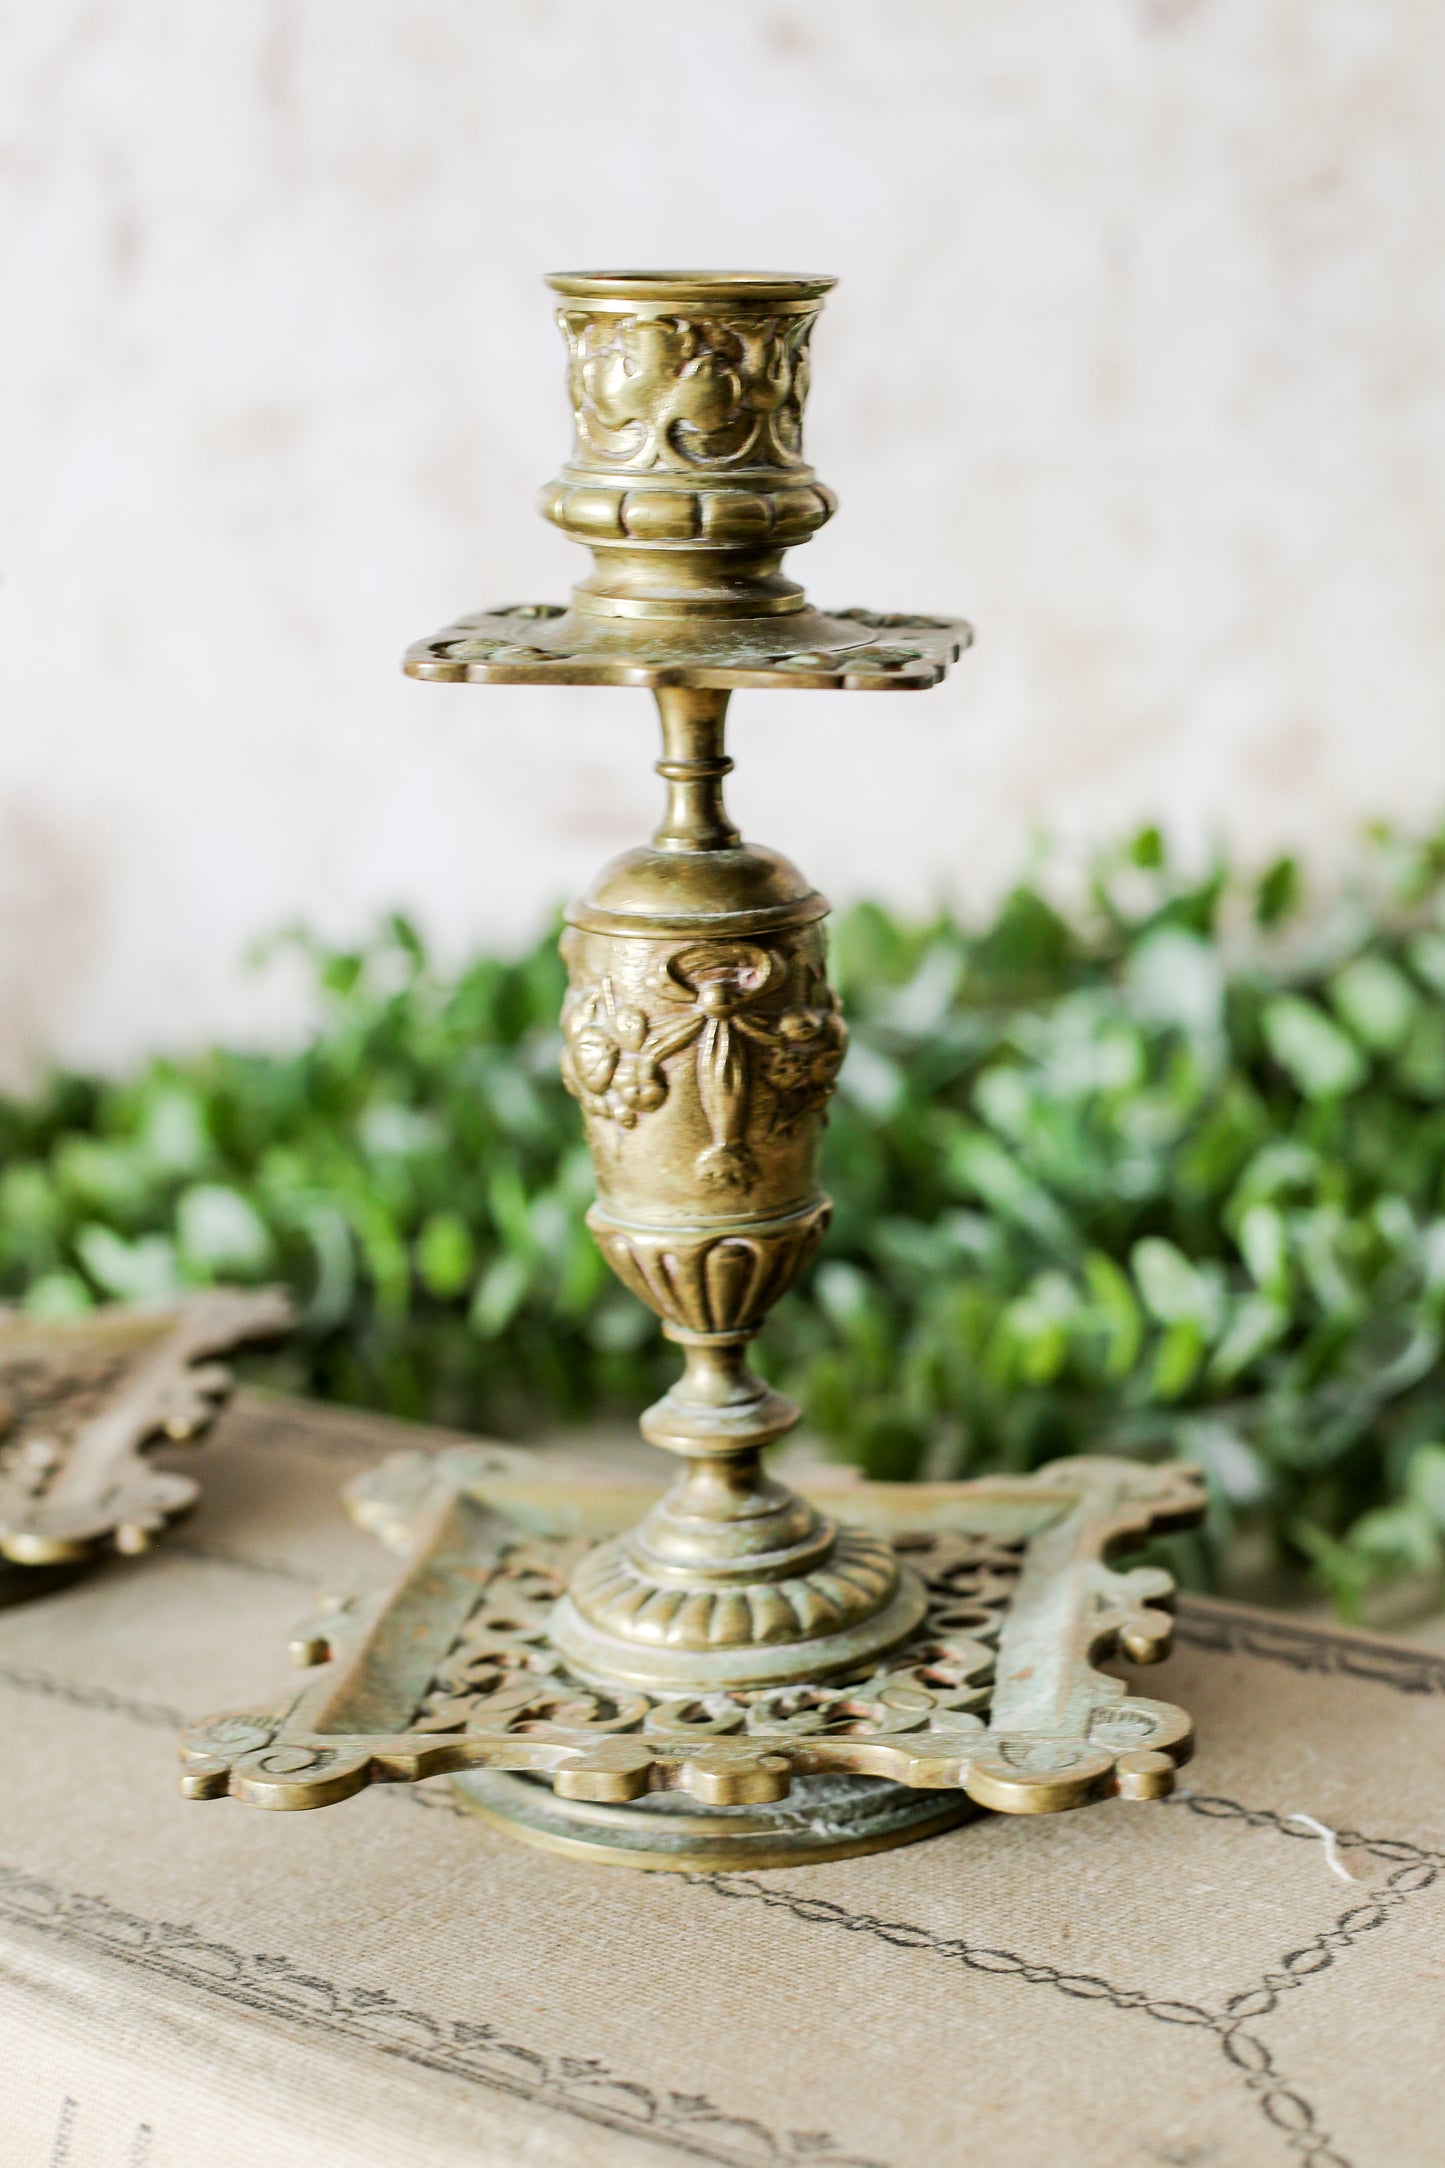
(540, 643)
(995, 1693)
(80, 1401)
(894, 620)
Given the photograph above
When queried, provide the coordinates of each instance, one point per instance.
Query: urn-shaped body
(703, 1062)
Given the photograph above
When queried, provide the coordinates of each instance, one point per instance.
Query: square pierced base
(994, 1701)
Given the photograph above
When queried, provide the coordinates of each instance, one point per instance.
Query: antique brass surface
(822, 1818)
(701, 1037)
(738, 1635)
(993, 1699)
(687, 482)
(80, 1400)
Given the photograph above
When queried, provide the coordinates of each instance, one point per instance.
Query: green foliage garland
(1163, 1176)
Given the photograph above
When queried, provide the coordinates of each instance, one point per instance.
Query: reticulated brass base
(822, 1818)
(995, 1701)
(83, 1400)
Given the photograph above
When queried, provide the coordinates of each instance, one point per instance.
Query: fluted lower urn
(702, 1039)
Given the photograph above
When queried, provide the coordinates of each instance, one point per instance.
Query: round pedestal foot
(822, 1818)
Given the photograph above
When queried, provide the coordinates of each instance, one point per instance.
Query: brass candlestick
(702, 1037)
(777, 1680)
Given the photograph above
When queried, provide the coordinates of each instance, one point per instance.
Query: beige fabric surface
(388, 1983)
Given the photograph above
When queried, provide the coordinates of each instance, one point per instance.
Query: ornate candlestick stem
(702, 1041)
(693, 765)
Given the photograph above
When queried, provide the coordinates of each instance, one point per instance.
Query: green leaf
(391, 1131)
(1425, 1480)
(30, 1207)
(445, 1254)
(1039, 1322)
(1118, 1312)
(1173, 977)
(385, 1254)
(1344, 1572)
(1320, 1238)
(1255, 1327)
(141, 1271)
(1177, 1360)
(173, 1133)
(1377, 1002)
(58, 1295)
(1426, 954)
(984, 1169)
(621, 1326)
(843, 1292)
(1028, 946)
(332, 1261)
(1315, 1052)
(1420, 1063)
(101, 1177)
(510, 1208)
(1403, 1538)
(1174, 1290)
(1264, 1246)
(501, 1291)
(222, 1232)
(1230, 1461)
(1278, 894)
(875, 1083)
(1275, 1171)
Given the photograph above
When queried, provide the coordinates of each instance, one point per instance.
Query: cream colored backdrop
(1137, 360)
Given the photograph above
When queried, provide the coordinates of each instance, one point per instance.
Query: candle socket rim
(653, 288)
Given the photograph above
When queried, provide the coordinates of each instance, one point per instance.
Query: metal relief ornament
(993, 1699)
(701, 1040)
(81, 1401)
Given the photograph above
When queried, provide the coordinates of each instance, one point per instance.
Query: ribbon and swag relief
(614, 1052)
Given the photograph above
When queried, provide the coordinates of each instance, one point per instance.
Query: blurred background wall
(1136, 360)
